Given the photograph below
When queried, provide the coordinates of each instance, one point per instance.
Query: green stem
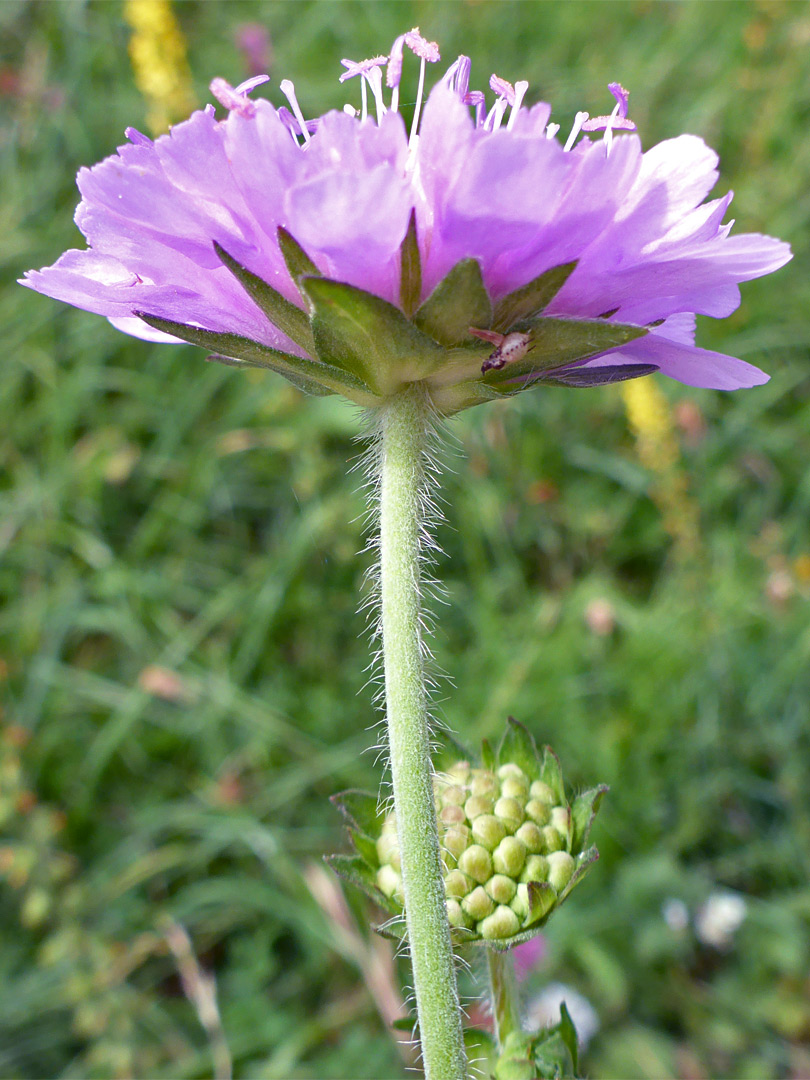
(503, 994)
(404, 430)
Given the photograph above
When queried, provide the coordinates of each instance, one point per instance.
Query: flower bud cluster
(500, 830)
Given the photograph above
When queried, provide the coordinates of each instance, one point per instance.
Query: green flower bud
(538, 811)
(457, 916)
(477, 862)
(510, 813)
(561, 820)
(543, 792)
(520, 901)
(552, 839)
(488, 831)
(477, 805)
(484, 783)
(456, 840)
(531, 838)
(536, 869)
(501, 888)
(509, 856)
(515, 787)
(459, 772)
(561, 866)
(457, 884)
(478, 904)
(388, 881)
(453, 795)
(452, 815)
(511, 769)
(388, 850)
(502, 923)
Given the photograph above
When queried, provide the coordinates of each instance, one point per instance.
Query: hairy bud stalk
(404, 426)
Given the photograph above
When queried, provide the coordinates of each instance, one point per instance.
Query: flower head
(476, 252)
(513, 847)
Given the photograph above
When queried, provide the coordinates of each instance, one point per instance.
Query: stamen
(137, 138)
(209, 110)
(457, 76)
(617, 121)
(251, 84)
(552, 130)
(231, 99)
(374, 79)
(428, 53)
(520, 93)
(349, 110)
(293, 124)
(476, 98)
(502, 88)
(361, 67)
(288, 90)
(495, 115)
(393, 73)
(579, 120)
(424, 49)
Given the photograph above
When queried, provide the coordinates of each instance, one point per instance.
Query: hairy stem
(404, 429)
(503, 994)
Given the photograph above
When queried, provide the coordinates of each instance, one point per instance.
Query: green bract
(366, 349)
(513, 848)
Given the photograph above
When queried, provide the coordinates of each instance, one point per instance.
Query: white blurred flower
(719, 918)
(676, 914)
(544, 1011)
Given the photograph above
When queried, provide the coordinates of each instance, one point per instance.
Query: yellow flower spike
(650, 420)
(157, 51)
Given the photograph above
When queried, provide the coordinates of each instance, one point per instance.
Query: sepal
(558, 343)
(530, 299)
(458, 302)
(518, 745)
(549, 1054)
(583, 811)
(365, 335)
(289, 319)
(311, 376)
(355, 870)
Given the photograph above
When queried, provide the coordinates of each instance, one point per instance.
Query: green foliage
(179, 582)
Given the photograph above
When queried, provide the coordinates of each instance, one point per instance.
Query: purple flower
(475, 252)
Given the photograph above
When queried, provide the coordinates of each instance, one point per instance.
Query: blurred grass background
(181, 658)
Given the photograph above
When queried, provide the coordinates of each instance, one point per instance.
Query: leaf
(517, 745)
(364, 334)
(530, 299)
(460, 752)
(361, 809)
(306, 386)
(311, 376)
(365, 847)
(601, 376)
(410, 269)
(404, 1023)
(556, 343)
(290, 320)
(352, 869)
(583, 811)
(542, 900)
(585, 862)
(487, 755)
(551, 774)
(297, 260)
(458, 302)
(569, 1035)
